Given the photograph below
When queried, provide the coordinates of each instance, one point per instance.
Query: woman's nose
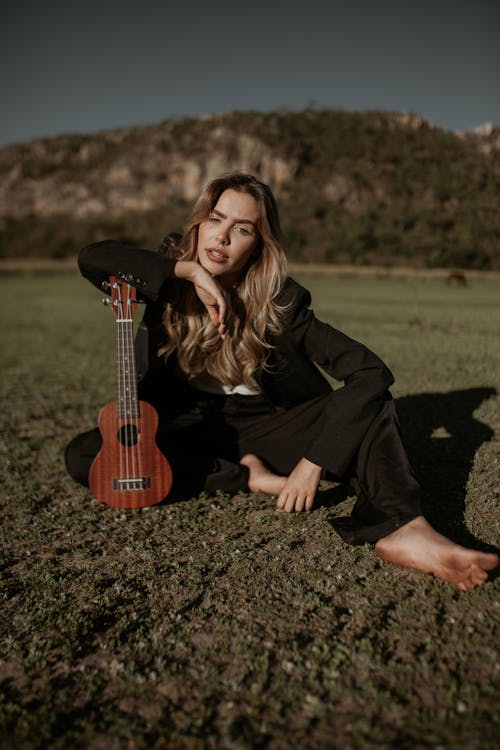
(222, 235)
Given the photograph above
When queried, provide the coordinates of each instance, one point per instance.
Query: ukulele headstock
(123, 298)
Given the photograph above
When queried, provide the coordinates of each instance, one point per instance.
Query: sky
(81, 67)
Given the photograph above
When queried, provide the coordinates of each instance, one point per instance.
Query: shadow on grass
(442, 437)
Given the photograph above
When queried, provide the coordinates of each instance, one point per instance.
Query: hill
(362, 188)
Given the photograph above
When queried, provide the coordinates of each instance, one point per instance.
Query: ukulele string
(131, 390)
(134, 436)
(130, 449)
(122, 405)
(134, 392)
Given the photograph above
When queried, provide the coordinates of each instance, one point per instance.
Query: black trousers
(206, 439)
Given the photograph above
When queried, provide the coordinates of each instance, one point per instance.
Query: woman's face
(228, 237)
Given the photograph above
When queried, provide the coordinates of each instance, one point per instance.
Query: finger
(214, 314)
(309, 502)
(290, 503)
(300, 503)
(281, 502)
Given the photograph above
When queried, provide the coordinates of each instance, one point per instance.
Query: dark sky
(86, 66)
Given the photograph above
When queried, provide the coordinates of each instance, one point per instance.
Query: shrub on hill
(362, 188)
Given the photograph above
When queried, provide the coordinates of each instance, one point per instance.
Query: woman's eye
(214, 219)
(243, 230)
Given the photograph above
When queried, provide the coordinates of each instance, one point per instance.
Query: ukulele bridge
(132, 483)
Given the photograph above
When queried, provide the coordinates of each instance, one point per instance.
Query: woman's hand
(300, 487)
(210, 292)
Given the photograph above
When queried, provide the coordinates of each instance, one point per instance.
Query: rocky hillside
(359, 188)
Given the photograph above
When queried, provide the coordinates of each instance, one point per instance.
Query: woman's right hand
(210, 292)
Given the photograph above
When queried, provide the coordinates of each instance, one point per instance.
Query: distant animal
(456, 278)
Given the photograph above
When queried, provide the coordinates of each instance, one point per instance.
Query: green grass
(219, 622)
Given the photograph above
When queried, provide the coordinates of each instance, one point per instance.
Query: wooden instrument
(129, 471)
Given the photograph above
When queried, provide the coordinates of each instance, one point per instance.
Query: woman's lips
(216, 255)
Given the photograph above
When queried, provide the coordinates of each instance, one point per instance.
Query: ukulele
(129, 471)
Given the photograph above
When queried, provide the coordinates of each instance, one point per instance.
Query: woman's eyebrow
(236, 221)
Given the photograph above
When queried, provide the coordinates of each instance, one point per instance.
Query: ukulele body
(129, 471)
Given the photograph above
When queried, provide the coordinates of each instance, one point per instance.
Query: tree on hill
(362, 188)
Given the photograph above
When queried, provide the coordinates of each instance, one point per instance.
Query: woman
(227, 354)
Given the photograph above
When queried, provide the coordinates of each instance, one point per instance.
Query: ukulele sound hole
(128, 434)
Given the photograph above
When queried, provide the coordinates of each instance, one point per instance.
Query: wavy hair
(190, 332)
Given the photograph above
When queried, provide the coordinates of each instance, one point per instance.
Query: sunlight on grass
(219, 622)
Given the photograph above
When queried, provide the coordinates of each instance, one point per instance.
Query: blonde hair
(191, 334)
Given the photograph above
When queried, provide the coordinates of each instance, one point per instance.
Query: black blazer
(293, 375)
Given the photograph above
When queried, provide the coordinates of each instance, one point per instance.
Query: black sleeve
(349, 410)
(148, 271)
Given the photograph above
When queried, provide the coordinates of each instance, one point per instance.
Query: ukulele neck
(128, 402)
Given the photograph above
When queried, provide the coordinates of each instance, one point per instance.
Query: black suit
(332, 428)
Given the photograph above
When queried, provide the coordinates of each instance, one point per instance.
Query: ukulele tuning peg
(106, 301)
(106, 286)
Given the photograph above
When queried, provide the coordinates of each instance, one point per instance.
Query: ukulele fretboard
(128, 403)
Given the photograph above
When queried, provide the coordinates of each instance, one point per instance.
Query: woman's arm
(153, 274)
(350, 410)
(148, 271)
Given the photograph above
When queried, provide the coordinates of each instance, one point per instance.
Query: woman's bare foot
(260, 479)
(417, 545)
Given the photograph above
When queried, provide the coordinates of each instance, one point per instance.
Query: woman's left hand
(215, 298)
(300, 488)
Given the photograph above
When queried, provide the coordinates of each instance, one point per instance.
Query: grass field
(219, 622)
